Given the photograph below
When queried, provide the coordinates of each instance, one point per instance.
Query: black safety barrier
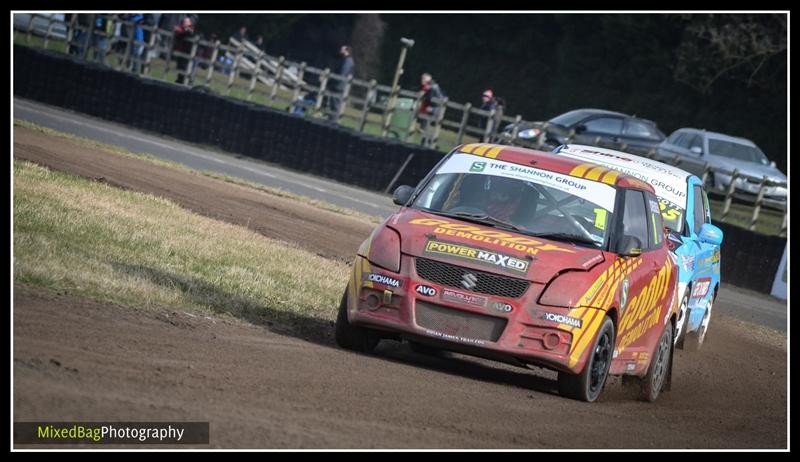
(314, 146)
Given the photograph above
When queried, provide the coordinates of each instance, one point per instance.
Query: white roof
(669, 182)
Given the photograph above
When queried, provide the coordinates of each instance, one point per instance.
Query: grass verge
(112, 149)
(95, 241)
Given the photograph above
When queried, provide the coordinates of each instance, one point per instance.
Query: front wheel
(695, 340)
(587, 385)
(680, 340)
(660, 364)
(353, 337)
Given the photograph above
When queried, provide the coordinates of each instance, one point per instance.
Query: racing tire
(680, 342)
(352, 337)
(658, 372)
(588, 385)
(694, 340)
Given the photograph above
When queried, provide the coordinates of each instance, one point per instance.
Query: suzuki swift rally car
(687, 215)
(524, 257)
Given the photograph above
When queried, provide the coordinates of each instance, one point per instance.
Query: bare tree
(366, 39)
(734, 46)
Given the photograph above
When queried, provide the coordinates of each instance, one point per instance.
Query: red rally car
(524, 257)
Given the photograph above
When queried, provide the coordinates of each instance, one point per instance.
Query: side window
(676, 138)
(699, 209)
(708, 208)
(696, 140)
(655, 221)
(607, 125)
(634, 220)
(638, 129)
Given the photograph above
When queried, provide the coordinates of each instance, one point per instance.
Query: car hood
(749, 168)
(486, 248)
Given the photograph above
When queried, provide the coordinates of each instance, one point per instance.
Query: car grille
(460, 323)
(486, 283)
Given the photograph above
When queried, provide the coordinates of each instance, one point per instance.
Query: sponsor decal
(461, 297)
(670, 212)
(477, 255)
(487, 236)
(426, 291)
(687, 262)
(561, 319)
(454, 338)
(700, 288)
(381, 279)
(654, 206)
(623, 295)
(644, 310)
(600, 216)
(477, 167)
(595, 192)
(502, 307)
(630, 366)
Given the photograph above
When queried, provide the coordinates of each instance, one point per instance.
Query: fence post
(151, 44)
(299, 85)
(371, 92)
(706, 171)
(278, 76)
(50, 24)
(130, 33)
(71, 33)
(190, 67)
(234, 68)
(254, 76)
(214, 54)
(489, 125)
(783, 226)
(677, 160)
(759, 200)
(30, 29)
(462, 126)
(323, 85)
(515, 129)
(651, 154)
(729, 194)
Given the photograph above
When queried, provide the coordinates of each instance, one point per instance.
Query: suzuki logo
(469, 281)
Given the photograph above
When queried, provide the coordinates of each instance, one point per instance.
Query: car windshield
(568, 118)
(527, 200)
(737, 151)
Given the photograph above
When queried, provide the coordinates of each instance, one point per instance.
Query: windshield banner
(593, 191)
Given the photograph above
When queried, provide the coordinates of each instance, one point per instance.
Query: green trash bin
(401, 118)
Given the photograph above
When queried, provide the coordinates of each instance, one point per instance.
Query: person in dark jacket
(337, 86)
(182, 34)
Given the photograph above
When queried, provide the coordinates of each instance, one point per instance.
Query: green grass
(92, 240)
(116, 150)
(769, 221)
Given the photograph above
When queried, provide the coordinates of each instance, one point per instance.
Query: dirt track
(78, 359)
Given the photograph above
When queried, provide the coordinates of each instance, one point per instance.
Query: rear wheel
(353, 337)
(659, 369)
(587, 385)
(695, 340)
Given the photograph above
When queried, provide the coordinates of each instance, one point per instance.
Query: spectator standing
(137, 44)
(488, 104)
(182, 33)
(345, 70)
(241, 34)
(431, 91)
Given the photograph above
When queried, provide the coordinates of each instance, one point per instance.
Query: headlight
(383, 248)
(567, 289)
(529, 133)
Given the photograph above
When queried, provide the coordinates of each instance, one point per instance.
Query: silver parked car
(725, 154)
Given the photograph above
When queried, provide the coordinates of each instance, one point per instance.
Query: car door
(645, 290)
(604, 131)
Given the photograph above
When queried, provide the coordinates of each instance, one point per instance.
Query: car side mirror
(710, 234)
(697, 150)
(629, 246)
(773, 164)
(580, 128)
(402, 194)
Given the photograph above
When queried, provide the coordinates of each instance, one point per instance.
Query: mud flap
(668, 383)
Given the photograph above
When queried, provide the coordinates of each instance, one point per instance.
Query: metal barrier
(248, 72)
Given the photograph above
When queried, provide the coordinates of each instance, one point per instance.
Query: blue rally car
(693, 239)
